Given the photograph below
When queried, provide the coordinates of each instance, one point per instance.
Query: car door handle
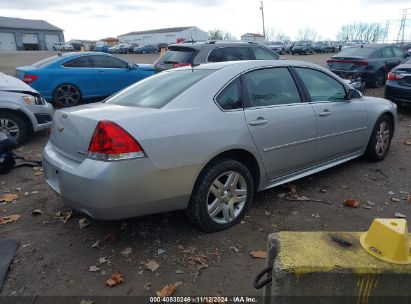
(258, 122)
(326, 112)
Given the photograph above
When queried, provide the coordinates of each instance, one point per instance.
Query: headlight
(33, 100)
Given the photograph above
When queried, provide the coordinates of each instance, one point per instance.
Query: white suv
(60, 46)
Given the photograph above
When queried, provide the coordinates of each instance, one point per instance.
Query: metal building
(26, 34)
(165, 35)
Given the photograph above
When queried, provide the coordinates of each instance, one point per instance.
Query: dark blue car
(70, 78)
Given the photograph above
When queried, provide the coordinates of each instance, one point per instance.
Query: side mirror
(353, 94)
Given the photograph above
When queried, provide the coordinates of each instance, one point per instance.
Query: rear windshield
(356, 52)
(44, 62)
(157, 91)
(177, 55)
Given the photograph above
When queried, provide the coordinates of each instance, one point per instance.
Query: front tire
(13, 126)
(380, 139)
(221, 196)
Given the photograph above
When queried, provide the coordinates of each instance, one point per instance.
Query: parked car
(371, 62)
(77, 46)
(352, 43)
(146, 49)
(331, 47)
(321, 47)
(65, 47)
(206, 138)
(102, 48)
(114, 49)
(23, 110)
(280, 47)
(398, 86)
(126, 48)
(303, 47)
(68, 79)
(213, 51)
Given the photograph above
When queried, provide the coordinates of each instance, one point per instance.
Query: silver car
(205, 138)
(22, 109)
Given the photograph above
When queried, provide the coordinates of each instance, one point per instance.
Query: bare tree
(367, 32)
(307, 33)
(218, 34)
(272, 34)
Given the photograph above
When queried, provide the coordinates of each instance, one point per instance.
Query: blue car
(70, 78)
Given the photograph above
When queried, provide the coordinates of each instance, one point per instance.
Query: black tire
(197, 209)
(10, 121)
(378, 80)
(372, 153)
(74, 97)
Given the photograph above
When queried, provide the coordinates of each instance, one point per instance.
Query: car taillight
(111, 142)
(28, 78)
(179, 65)
(393, 76)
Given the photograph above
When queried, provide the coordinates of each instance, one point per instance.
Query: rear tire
(378, 80)
(14, 126)
(380, 139)
(221, 196)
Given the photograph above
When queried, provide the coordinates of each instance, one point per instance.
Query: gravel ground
(55, 257)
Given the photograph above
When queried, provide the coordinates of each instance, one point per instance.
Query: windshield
(356, 52)
(157, 91)
(45, 62)
(177, 55)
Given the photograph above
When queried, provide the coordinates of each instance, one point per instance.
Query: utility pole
(401, 32)
(262, 15)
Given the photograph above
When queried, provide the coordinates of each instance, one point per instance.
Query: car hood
(9, 83)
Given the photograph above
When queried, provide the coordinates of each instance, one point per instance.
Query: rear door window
(387, 53)
(101, 61)
(264, 54)
(269, 87)
(398, 52)
(80, 62)
(230, 54)
(177, 55)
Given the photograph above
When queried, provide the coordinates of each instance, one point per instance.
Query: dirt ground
(55, 257)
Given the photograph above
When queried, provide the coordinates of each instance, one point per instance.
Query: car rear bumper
(395, 92)
(116, 190)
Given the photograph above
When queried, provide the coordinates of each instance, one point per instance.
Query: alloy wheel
(9, 127)
(227, 197)
(382, 138)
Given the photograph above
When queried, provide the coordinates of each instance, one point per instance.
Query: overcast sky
(95, 19)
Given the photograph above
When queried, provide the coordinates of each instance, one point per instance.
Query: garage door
(51, 40)
(7, 42)
(30, 42)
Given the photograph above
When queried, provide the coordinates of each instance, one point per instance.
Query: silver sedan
(206, 138)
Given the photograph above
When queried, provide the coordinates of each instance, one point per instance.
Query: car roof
(200, 44)
(250, 64)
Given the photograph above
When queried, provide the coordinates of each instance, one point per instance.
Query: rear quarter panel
(376, 107)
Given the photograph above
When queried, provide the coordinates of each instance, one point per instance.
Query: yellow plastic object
(387, 240)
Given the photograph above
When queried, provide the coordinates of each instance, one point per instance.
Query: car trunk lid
(405, 71)
(346, 63)
(73, 128)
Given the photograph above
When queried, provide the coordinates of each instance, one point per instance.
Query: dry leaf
(94, 269)
(147, 287)
(39, 173)
(178, 283)
(84, 222)
(96, 244)
(9, 219)
(126, 251)
(258, 254)
(167, 291)
(115, 279)
(201, 261)
(152, 265)
(64, 216)
(409, 198)
(407, 142)
(37, 212)
(102, 260)
(9, 197)
(292, 188)
(111, 237)
(351, 203)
